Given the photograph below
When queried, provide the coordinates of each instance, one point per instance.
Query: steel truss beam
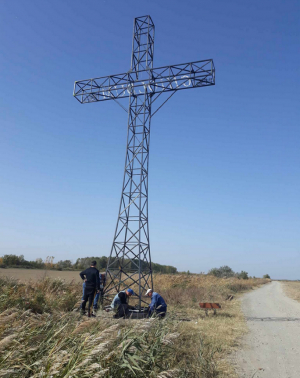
(162, 79)
(129, 264)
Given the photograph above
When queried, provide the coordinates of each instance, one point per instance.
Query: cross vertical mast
(130, 261)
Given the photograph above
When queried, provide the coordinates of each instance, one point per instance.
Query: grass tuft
(292, 289)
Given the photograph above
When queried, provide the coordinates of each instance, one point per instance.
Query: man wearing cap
(120, 303)
(157, 305)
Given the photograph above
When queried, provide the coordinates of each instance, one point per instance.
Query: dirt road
(272, 347)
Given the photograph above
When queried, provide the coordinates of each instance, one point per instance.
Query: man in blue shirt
(120, 303)
(99, 294)
(157, 305)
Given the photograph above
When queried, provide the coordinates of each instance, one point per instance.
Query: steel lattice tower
(129, 263)
(130, 253)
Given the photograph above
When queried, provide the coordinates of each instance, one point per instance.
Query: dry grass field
(37, 274)
(41, 335)
(292, 289)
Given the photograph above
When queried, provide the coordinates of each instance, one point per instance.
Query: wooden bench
(210, 306)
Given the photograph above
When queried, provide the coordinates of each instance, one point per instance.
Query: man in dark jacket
(98, 295)
(92, 284)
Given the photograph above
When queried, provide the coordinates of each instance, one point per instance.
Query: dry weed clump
(8, 340)
(292, 289)
(42, 296)
(169, 373)
(41, 337)
(190, 289)
(50, 348)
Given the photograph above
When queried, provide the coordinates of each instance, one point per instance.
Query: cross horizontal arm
(162, 79)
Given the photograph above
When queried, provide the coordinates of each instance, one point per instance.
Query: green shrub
(222, 272)
(243, 275)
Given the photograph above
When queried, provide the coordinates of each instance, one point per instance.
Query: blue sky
(224, 161)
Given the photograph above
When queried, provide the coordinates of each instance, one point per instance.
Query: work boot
(82, 312)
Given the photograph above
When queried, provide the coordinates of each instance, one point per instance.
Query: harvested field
(37, 274)
(42, 337)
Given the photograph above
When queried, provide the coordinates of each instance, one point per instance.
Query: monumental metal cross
(129, 264)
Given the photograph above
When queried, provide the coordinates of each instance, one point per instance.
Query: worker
(92, 283)
(120, 303)
(102, 279)
(157, 306)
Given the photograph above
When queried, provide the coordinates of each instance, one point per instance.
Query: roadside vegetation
(292, 289)
(226, 272)
(41, 335)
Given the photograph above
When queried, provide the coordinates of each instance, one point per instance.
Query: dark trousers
(96, 300)
(97, 296)
(88, 295)
(122, 311)
(159, 312)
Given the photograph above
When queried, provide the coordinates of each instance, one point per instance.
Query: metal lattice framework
(129, 263)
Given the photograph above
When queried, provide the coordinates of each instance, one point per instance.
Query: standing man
(102, 279)
(157, 305)
(92, 284)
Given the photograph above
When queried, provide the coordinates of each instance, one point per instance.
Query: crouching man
(157, 306)
(120, 303)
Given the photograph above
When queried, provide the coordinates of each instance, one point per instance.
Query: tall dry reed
(40, 336)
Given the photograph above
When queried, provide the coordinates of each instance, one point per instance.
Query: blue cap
(130, 291)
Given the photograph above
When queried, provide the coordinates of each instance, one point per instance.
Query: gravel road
(272, 347)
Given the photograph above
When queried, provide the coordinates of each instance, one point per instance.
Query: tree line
(14, 261)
